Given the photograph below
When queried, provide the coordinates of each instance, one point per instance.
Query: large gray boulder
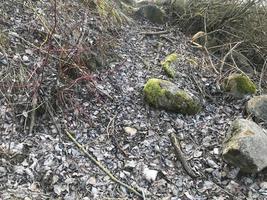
(246, 146)
(257, 107)
(166, 95)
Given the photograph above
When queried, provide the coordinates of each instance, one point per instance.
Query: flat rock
(129, 130)
(166, 95)
(150, 174)
(257, 106)
(245, 146)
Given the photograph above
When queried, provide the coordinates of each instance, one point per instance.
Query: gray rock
(246, 146)
(150, 174)
(166, 95)
(152, 13)
(239, 85)
(257, 106)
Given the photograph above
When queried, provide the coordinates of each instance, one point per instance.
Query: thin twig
(262, 74)
(144, 62)
(158, 52)
(167, 38)
(98, 164)
(205, 47)
(201, 90)
(180, 156)
(33, 113)
(226, 55)
(110, 126)
(212, 65)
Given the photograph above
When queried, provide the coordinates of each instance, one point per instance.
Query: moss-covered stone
(166, 95)
(239, 85)
(168, 65)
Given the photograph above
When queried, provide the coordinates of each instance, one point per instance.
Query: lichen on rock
(168, 64)
(166, 95)
(239, 85)
(245, 146)
(257, 107)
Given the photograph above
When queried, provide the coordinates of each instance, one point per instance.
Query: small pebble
(131, 131)
(25, 58)
(150, 174)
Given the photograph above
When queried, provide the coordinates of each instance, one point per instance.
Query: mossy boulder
(239, 85)
(152, 13)
(168, 65)
(166, 95)
(245, 146)
(257, 107)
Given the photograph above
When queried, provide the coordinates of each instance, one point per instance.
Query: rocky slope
(109, 116)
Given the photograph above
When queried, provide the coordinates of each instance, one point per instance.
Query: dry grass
(50, 52)
(227, 23)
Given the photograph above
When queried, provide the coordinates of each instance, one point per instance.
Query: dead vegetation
(55, 48)
(234, 31)
(51, 51)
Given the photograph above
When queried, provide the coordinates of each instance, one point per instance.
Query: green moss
(164, 94)
(171, 58)
(239, 85)
(166, 64)
(153, 90)
(186, 104)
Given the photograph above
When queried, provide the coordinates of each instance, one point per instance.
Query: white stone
(216, 151)
(130, 164)
(94, 192)
(129, 130)
(25, 58)
(19, 169)
(29, 52)
(263, 185)
(150, 174)
(197, 154)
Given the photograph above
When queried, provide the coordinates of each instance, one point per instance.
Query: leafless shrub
(50, 49)
(227, 23)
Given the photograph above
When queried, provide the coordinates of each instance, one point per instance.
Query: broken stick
(179, 154)
(105, 170)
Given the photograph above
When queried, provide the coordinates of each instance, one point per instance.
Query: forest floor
(115, 125)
